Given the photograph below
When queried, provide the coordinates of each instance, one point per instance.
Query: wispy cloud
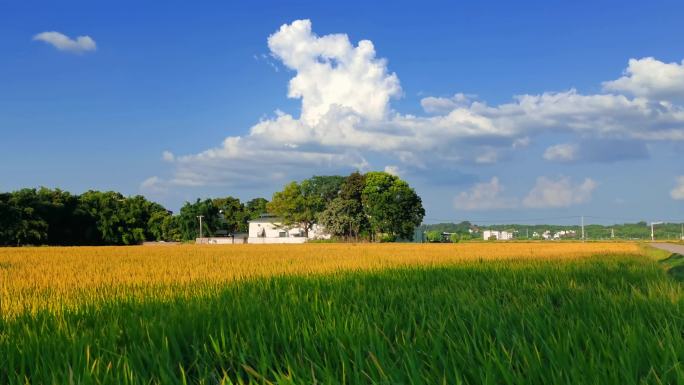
(546, 193)
(63, 43)
(559, 192)
(677, 192)
(603, 150)
(484, 196)
(561, 152)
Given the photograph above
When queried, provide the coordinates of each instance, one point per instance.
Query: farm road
(672, 248)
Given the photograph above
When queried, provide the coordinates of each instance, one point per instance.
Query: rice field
(480, 313)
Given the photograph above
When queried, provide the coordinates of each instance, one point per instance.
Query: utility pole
(652, 232)
(582, 228)
(200, 224)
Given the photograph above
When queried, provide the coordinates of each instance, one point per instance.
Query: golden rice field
(60, 278)
(469, 313)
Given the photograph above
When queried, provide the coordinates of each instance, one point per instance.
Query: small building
(565, 234)
(232, 239)
(447, 236)
(268, 229)
(498, 235)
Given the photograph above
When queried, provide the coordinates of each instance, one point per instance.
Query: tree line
(374, 206)
(626, 231)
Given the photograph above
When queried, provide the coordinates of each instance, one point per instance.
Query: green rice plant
(611, 319)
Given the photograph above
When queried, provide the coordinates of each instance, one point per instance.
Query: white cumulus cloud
(559, 192)
(488, 156)
(346, 120)
(168, 156)
(393, 170)
(650, 78)
(437, 105)
(64, 43)
(561, 152)
(677, 192)
(331, 71)
(484, 196)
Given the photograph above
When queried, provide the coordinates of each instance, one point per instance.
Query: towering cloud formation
(347, 122)
(333, 73)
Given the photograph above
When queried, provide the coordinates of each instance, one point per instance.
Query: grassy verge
(607, 320)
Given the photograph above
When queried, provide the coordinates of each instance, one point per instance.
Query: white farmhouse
(271, 230)
(498, 235)
(565, 234)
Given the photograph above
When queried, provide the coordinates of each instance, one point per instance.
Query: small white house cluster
(268, 229)
(557, 235)
(498, 235)
(271, 230)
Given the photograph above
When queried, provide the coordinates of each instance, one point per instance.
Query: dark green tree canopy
(294, 207)
(371, 206)
(56, 217)
(393, 208)
(232, 214)
(377, 205)
(256, 207)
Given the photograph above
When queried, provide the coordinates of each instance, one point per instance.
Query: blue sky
(178, 101)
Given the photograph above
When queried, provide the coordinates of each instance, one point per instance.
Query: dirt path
(672, 248)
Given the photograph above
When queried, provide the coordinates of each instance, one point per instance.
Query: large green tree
(344, 215)
(233, 216)
(392, 207)
(343, 218)
(322, 188)
(256, 207)
(155, 225)
(9, 220)
(300, 204)
(120, 220)
(294, 208)
(28, 227)
(189, 222)
(68, 222)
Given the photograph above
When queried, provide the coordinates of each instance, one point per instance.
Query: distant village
(464, 231)
(490, 235)
(500, 235)
(268, 229)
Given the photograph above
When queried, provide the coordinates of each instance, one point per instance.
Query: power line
(505, 220)
(523, 220)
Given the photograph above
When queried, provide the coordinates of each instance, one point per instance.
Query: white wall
(270, 232)
(260, 241)
(505, 235)
(499, 235)
(273, 230)
(219, 241)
